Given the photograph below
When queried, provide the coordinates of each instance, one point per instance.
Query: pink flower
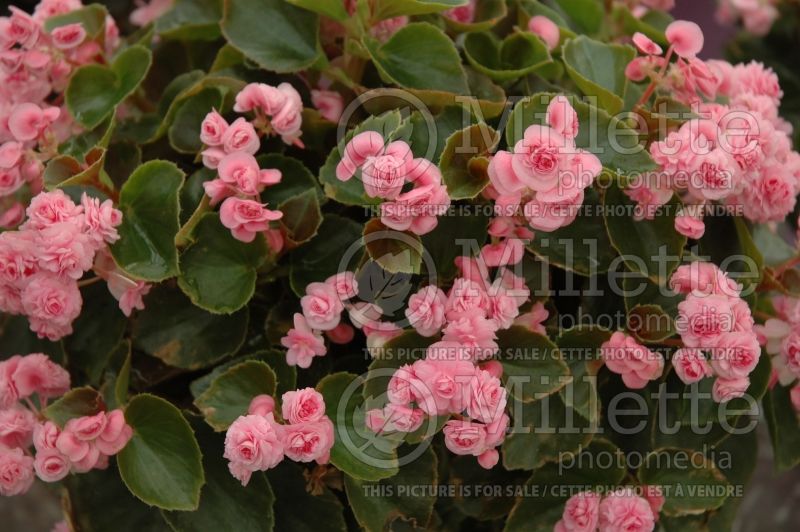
(735, 355)
(240, 136)
(703, 277)
(505, 252)
(16, 472)
(790, 353)
(689, 226)
(425, 310)
(645, 44)
(416, 210)
(562, 117)
(581, 513)
(384, 175)
(444, 385)
(503, 308)
(45, 436)
(51, 466)
(8, 389)
(302, 406)
(385, 28)
(394, 418)
(212, 157)
(36, 373)
(403, 386)
(147, 12)
(654, 495)
(488, 458)
(87, 428)
(487, 399)
(116, 434)
(27, 120)
(322, 306)
(465, 437)
(10, 154)
(288, 118)
(100, 220)
(246, 218)
(703, 319)
(16, 427)
(534, 319)
(68, 36)
(22, 28)
(474, 333)
(329, 103)
(345, 285)
(545, 29)
(466, 296)
(12, 216)
(308, 442)
(253, 443)
(10, 181)
(302, 343)
(212, 129)
(624, 511)
(726, 389)
(690, 365)
(241, 172)
(463, 14)
(65, 250)
(77, 450)
(635, 363)
(261, 405)
(685, 37)
(51, 305)
(356, 152)
(49, 208)
(128, 292)
(548, 212)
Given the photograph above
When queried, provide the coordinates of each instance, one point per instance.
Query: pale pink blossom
(394, 418)
(16, 427)
(16, 472)
(51, 305)
(100, 220)
(704, 278)
(254, 444)
(241, 172)
(444, 385)
(581, 513)
(68, 36)
(690, 365)
(545, 29)
(685, 37)
(534, 319)
(27, 120)
(302, 343)
(487, 397)
(302, 406)
(322, 306)
(308, 442)
(148, 11)
(240, 136)
(246, 218)
(37, 374)
(212, 129)
(726, 389)
(735, 354)
(49, 208)
(645, 44)
(115, 435)
(703, 319)
(624, 511)
(689, 226)
(345, 284)
(261, 405)
(634, 362)
(8, 389)
(466, 295)
(425, 310)
(474, 333)
(465, 437)
(329, 103)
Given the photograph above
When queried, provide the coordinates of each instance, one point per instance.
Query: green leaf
(631, 24)
(161, 464)
(322, 256)
(586, 15)
(149, 204)
(296, 180)
(783, 424)
(330, 8)
(641, 242)
(551, 485)
(615, 144)
(184, 132)
(688, 490)
(298, 510)
(515, 56)
(394, 251)
(376, 503)
(184, 336)
(357, 451)
(191, 20)
(301, 216)
(442, 244)
(463, 172)
(95, 90)
(571, 247)
(580, 349)
(16, 337)
(98, 501)
(403, 349)
(218, 272)
(97, 331)
(275, 34)
(547, 431)
(598, 69)
(224, 503)
(77, 402)
(532, 364)
(230, 393)
(419, 56)
(728, 242)
(395, 8)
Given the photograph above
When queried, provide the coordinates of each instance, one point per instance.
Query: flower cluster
(231, 150)
(257, 441)
(738, 153)
(717, 330)
(41, 263)
(546, 174)
(385, 170)
(622, 509)
(781, 338)
(35, 66)
(457, 378)
(83, 444)
(322, 307)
